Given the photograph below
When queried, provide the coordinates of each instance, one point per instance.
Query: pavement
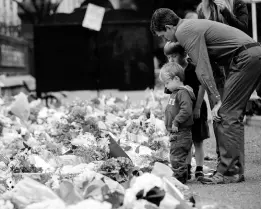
(245, 195)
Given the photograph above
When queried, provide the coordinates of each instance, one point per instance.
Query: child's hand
(196, 112)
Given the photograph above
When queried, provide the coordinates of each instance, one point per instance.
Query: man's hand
(215, 115)
(220, 3)
(196, 113)
(174, 128)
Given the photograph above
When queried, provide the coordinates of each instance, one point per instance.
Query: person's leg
(220, 89)
(219, 74)
(188, 162)
(242, 81)
(199, 155)
(258, 89)
(181, 144)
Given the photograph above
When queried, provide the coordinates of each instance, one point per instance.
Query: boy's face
(176, 57)
(172, 84)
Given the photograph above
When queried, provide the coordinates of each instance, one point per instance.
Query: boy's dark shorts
(200, 128)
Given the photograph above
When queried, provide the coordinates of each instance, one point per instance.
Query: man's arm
(198, 53)
(185, 104)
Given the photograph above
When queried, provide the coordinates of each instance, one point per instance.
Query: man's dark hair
(161, 18)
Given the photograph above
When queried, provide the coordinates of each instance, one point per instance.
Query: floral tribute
(102, 153)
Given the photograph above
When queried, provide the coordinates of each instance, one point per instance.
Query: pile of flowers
(86, 154)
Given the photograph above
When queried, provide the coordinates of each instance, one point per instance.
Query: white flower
(141, 204)
(43, 113)
(102, 125)
(5, 120)
(104, 144)
(35, 103)
(10, 183)
(8, 137)
(90, 203)
(48, 204)
(54, 182)
(40, 163)
(160, 125)
(86, 139)
(32, 142)
(145, 182)
(40, 121)
(6, 204)
(111, 101)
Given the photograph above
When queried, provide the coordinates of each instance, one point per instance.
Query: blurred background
(44, 48)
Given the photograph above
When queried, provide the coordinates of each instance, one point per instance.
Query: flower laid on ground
(117, 169)
(64, 157)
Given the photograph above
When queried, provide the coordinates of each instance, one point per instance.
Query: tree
(35, 11)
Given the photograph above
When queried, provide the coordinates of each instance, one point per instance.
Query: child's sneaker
(199, 173)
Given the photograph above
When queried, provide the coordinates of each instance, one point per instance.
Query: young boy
(200, 129)
(178, 118)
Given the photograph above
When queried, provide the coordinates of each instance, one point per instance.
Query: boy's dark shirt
(191, 79)
(179, 110)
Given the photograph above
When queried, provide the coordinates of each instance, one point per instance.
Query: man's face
(169, 34)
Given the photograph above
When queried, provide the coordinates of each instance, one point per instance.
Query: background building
(10, 22)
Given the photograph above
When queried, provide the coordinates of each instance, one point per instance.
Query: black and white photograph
(130, 104)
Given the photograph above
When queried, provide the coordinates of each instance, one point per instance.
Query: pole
(254, 20)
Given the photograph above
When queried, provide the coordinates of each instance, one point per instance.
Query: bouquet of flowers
(117, 169)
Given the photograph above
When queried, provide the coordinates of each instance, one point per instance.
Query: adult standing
(230, 12)
(230, 47)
